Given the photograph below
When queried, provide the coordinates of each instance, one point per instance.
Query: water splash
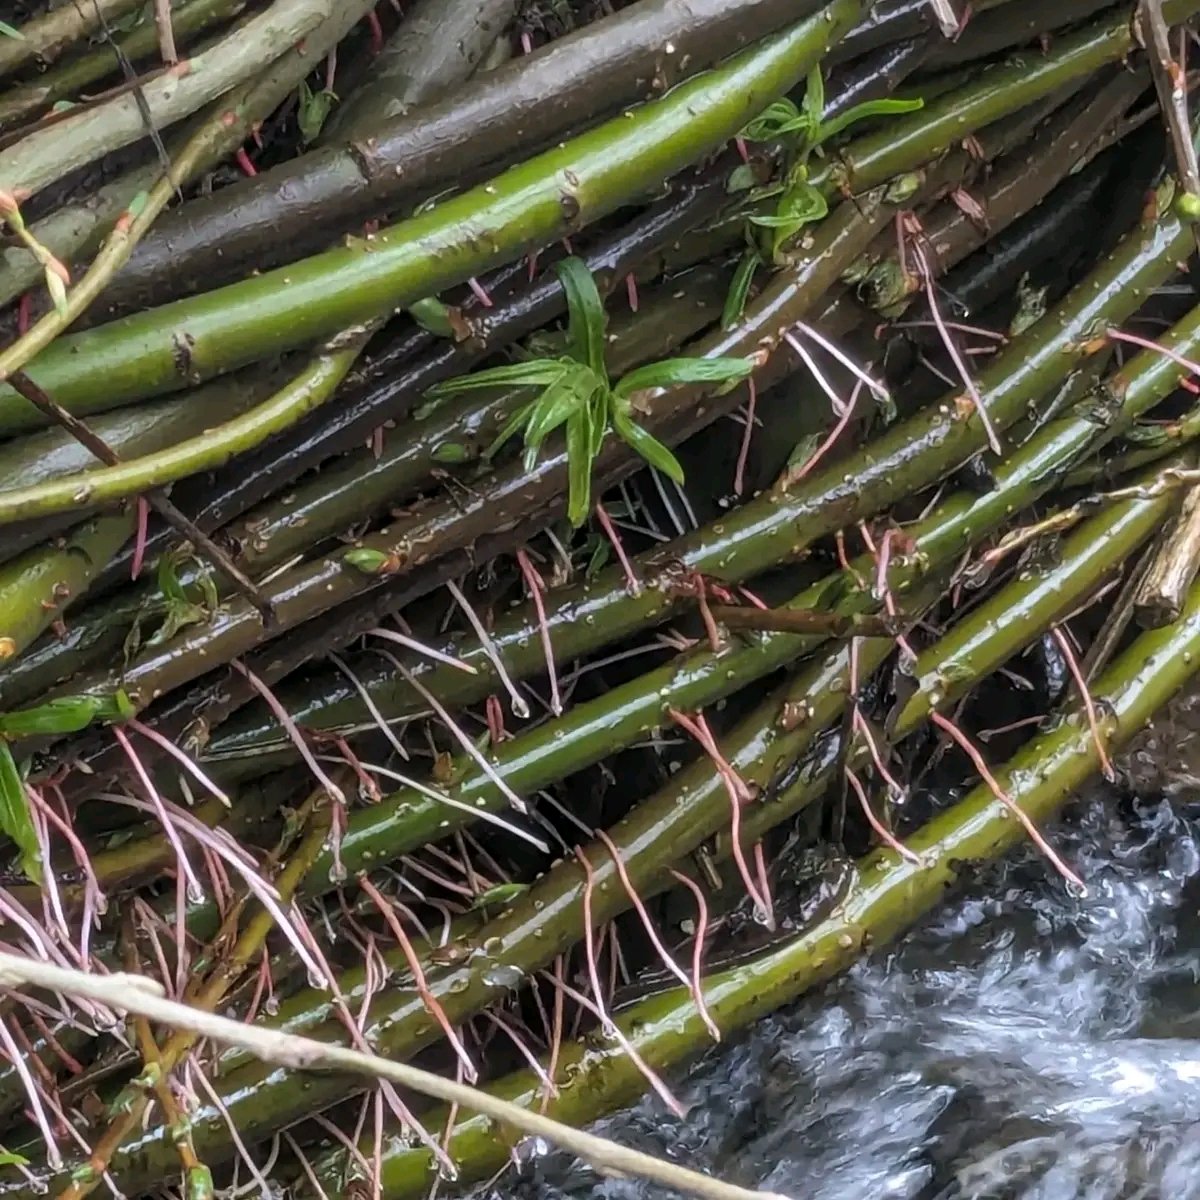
(1024, 1045)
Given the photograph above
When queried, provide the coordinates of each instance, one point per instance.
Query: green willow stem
(594, 729)
(1160, 441)
(661, 325)
(52, 152)
(318, 586)
(134, 432)
(551, 196)
(455, 433)
(889, 895)
(36, 587)
(1000, 89)
(781, 524)
(435, 48)
(74, 228)
(1033, 601)
(131, 226)
(690, 808)
(359, 484)
(500, 118)
(310, 388)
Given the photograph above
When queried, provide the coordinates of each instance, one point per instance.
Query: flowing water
(1023, 1044)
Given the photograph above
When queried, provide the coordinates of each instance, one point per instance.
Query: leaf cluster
(574, 391)
(798, 202)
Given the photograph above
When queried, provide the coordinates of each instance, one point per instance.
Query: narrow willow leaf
(813, 105)
(15, 818)
(433, 316)
(648, 446)
(167, 578)
(739, 289)
(65, 714)
(538, 373)
(563, 397)
(579, 468)
(515, 422)
(674, 372)
(313, 111)
(586, 321)
(777, 119)
(502, 893)
(868, 108)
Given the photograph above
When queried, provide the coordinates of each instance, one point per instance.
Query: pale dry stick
(144, 997)
(1166, 481)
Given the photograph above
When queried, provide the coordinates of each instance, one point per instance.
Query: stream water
(1023, 1044)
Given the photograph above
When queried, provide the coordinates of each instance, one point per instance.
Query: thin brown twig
(99, 448)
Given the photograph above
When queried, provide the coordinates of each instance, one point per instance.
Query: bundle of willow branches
(531, 534)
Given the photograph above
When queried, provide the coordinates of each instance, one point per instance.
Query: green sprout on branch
(67, 714)
(803, 131)
(575, 390)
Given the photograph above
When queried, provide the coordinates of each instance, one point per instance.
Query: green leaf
(585, 320)
(313, 111)
(15, 818)
(539, 373)
(800, 205)
(741, 179)
(813, 106)
(8, 31)
(565, 396)
(451, 453)
(502, 893)
(675, 372)
(739, 289)
(432, 315)
(579, 467)
(778, 119)
(515, 422)
(65, 714)
(168, 581)
(648, 446)
(367, 560)
(868, 108)
(9, 1159)
(598, 410)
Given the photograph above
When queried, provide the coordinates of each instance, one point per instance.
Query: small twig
(97, 446)
(1161, 594)
(144, 997)
(166, 32)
